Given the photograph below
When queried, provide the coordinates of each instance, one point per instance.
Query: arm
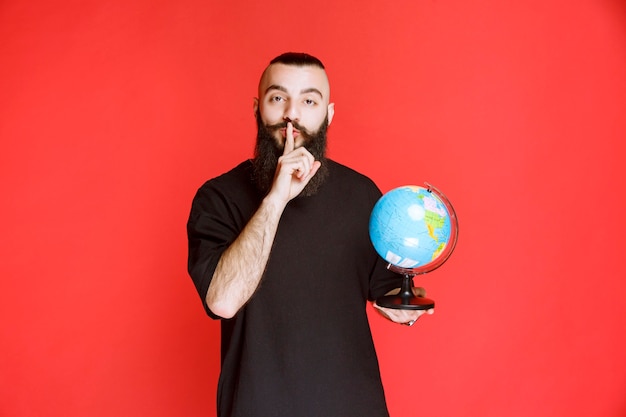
(240, 269)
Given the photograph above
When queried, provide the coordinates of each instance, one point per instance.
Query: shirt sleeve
(210, 230)
(382, 280)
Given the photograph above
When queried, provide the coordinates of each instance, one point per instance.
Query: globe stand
(406, 299)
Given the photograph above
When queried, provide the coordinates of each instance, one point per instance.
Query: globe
(413, 228)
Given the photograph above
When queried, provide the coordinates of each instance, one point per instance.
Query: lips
(283, 132)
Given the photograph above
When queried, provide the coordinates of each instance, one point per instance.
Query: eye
(277, 99)
(309, 102)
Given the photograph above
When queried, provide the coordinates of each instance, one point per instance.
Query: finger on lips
(289, 141)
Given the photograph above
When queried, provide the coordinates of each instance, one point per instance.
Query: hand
(402, 316)
(294, 170)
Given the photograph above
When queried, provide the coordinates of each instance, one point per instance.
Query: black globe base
(406, 299)
(406, 303)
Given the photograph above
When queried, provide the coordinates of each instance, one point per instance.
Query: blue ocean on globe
(410, 227)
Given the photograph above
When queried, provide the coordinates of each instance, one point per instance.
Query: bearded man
(279, 251)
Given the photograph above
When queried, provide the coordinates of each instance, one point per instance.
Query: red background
(112, 114)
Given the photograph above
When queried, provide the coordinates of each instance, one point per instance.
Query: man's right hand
(294, 170)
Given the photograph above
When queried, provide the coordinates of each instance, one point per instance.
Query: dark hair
(299, 59)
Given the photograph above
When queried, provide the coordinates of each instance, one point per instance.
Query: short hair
(298, 59)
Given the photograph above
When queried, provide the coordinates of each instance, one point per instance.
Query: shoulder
(347, 173)
(345, 176)
(231, 183)
(241, 174)
(234, 188)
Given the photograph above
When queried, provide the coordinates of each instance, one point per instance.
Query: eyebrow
(284, 90)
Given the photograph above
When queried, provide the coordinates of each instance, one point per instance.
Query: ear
(331, 112)
(255, 106)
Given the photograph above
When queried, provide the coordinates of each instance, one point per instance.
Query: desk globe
(415, 230)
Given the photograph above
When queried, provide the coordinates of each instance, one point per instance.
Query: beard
(267, 151)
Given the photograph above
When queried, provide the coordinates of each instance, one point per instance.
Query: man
(279, 251)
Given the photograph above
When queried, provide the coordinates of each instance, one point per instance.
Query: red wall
(113, 113)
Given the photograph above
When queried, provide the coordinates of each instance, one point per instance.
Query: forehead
(295, 79)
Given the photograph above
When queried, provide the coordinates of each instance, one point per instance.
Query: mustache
(283, 125)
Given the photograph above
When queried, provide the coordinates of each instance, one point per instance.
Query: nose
(292, 114)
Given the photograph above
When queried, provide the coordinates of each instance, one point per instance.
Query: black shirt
(302, 345)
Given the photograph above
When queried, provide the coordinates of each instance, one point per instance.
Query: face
(267, 152)
(296, 94)
(299, 95)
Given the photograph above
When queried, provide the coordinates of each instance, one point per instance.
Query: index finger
(289, 142)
